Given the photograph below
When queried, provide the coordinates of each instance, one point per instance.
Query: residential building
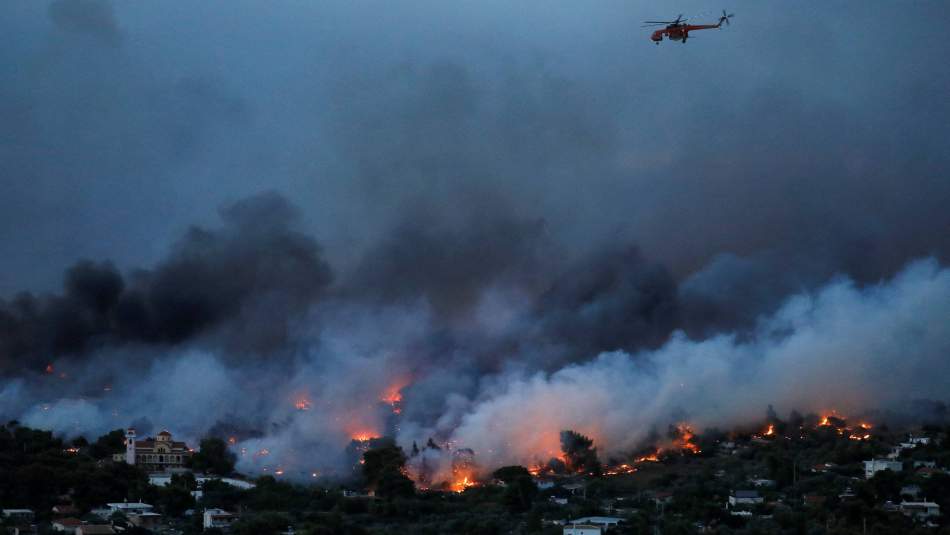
(218, 518)
(95, 529)
(66, 525)
(876, 465)
(745, 497)
(129, 508)
(18, 515)
(605, 522)
(582, 529)
(920, 509)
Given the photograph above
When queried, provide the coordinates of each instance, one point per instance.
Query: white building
(163, 479)
(18, 515)
(923, 441)
(876, 465)
(582, 529)
(745, 497)
(218, 518)
(602, 521)
(128, 508)
(920, 509)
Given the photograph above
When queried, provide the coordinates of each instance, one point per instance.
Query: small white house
(218, 518)
(920, 509)
(582, 529)
(18, 515)
(745, 497)
(923, 441)
(129, 507)
(877, 465)
(602, 521)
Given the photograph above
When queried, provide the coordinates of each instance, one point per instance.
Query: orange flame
(393, 395)
(770, 431)
(685, 439)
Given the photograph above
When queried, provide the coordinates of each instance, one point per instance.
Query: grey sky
(813, 122)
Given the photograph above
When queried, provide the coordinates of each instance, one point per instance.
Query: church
(154, 454)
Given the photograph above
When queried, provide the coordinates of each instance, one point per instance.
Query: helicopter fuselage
(680, 32)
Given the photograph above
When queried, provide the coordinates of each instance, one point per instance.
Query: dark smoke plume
(255, 274)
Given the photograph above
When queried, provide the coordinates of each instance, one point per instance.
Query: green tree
(213, 457)
(509, 474)
(108, 444)
(381, 459)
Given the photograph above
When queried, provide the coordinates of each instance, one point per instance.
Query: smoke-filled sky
(475, 202)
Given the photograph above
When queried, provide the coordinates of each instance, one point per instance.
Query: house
(921, 440)
(582, 529)
(66, 525)
(95, 529)
(129, 508)
(163, 479)
(65, 510)
(23, 516)
(154, 454)
(762, 482)
(604, 522)
(920, 509)
(877, 465)
(745, 497)
(558, 501)
(925, 464)
(218, 518)
(146, 520)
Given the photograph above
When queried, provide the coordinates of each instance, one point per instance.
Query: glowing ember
(620, 469)
(262, 453)
(232, 440)
(302, 404)
(362, 437)
(770, 431)
(393, 396)
(49, 368)
(278, 472)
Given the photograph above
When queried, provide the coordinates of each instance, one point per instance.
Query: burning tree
(580, 455)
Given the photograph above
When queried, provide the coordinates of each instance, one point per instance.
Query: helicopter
(678, 30)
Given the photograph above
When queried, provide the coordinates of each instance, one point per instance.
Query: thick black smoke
(254, 275)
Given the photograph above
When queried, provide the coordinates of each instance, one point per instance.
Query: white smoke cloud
(841, 347)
